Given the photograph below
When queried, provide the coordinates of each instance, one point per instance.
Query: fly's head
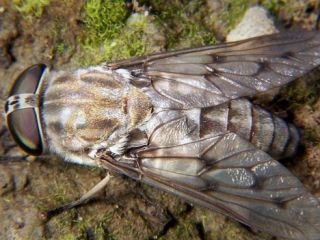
(40, 114)
(23, 110)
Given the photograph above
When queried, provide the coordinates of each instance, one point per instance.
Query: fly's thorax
(89, 108)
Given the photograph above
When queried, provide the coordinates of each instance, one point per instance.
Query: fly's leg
(104, 160)
(82, 200)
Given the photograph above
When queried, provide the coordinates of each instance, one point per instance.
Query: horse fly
(180, 121)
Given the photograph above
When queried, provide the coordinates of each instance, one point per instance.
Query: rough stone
(256, 22)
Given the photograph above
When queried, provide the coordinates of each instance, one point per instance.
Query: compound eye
(28, 80)
(24, 128)
(23, 122)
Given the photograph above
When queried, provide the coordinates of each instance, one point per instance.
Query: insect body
(180, 121)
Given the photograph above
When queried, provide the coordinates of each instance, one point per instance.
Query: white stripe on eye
(21, 101)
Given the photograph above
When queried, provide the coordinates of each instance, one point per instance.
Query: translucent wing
(230, 175)
(210, 165)
(208, 76)
(226, 173)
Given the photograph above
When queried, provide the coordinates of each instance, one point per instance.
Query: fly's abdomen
(265, 130)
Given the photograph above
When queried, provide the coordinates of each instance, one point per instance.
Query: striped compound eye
(22, 110)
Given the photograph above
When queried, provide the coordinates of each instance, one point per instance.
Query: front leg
(82, 200)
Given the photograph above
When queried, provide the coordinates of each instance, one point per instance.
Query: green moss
(72, 226)
(188, 33)
(60, 47)
(30, 8)
(61, 44)
(311, 136)
(104, 20)
(129, 42)
(99, 229)
(65, 222)
(111, 34)
(291, 11)
(299, 93)
(183, 22)
(233, 11)
(273, 5)
(68, 236)
(288, 7)
(184, 230)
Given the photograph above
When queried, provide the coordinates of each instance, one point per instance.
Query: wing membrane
(209, 76)
(230, 175)
(223, 172)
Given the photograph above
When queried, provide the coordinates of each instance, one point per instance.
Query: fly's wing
(223, 171)
(230, 175)
(209, 76)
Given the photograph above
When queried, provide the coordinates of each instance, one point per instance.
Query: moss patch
(183, 21)
(108, 36)
(299, 93)
(30, 8)
(135, 38)
(274, 5)
(104, 20)
(233, 11)
(84, 227)
(184, 230)
(293, 11)
(111, 34)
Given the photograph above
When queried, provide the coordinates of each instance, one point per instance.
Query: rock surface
(255, 22)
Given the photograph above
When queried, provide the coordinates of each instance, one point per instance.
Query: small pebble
(256, 22)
